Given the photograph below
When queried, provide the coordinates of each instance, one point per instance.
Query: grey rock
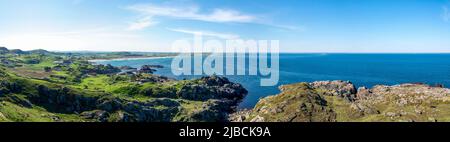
(344, 89)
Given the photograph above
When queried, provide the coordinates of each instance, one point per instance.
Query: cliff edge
(340, 101)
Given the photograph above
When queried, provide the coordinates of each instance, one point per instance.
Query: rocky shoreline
(208, 99)
(129, 58)
(341, 101)
(43, 86)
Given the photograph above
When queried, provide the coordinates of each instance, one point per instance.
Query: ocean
(361, 69)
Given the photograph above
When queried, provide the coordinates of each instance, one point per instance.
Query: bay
(361, 69)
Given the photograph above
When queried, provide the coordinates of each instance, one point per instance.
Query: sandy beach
(128, 59)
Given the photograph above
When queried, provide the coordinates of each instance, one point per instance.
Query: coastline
(367, 70)
(342, 101)
(128, 59)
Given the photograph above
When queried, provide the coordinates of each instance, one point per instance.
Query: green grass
(30, 76)
(127, 89)
(12, 112)
(342, 108)
(3, 118)
(95, 83)
(188, 108)
(60, 73)
(41, 65)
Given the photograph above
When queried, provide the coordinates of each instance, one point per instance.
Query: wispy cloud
(142, 24)
(191, 13)
(149, 13)
(287, 27)
(446, 14)
(206, 33)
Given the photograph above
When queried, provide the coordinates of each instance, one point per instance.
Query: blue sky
(301, 25)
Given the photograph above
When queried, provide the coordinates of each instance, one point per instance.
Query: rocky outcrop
(211, 111)
(120, 110)
(156, 66)
(296, 103)
(104, 69)
(73, 89)
(344, 89)
(243, 115)
(220, 98)
(63, 100)
(409, 100)
(146, 69)
(99, 115)
(143, 78)
(159, 110)
(9, 87)
(127, 68)
(331, 101)
(213, 87)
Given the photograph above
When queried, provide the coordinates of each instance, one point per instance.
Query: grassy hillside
(337, 102)
(47, 87)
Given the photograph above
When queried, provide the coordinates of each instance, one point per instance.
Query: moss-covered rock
(296, 103)
(330, 101)
(66, 87)
(158, 102)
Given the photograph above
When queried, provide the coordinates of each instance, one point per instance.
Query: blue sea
(361, 69)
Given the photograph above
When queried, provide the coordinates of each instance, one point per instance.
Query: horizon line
(281, 52)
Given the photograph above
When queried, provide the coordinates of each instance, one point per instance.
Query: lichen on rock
(339, 101)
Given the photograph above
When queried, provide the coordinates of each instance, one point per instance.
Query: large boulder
(146, 69)
(213, 87)
(99, 115)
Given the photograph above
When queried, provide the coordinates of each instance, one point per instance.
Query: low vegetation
(339, 101)
(42, 86)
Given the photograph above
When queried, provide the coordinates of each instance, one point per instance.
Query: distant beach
(128, 59)
(361, 69)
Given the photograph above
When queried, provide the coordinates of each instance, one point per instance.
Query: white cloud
(141, 24)
(288, 27)
(192, 13)
(225, 15)
(151, 11)
(207, 33)
(446, 14)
